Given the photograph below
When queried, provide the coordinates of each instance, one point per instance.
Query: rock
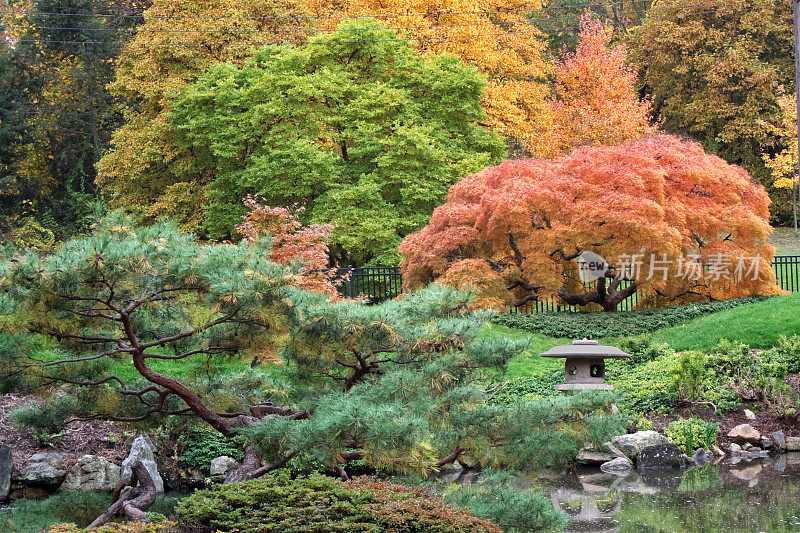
(734, 448)
(744, 433)
(616, 452)
(614, 409)
(793, 444)
(716, 450)
(750, 415)
(661, 456)
(618, 466)
(593, 457)
(44, 470)
(632, 445)
(92, 473)
(701, 458)
(6, 464)
(220, 467)
(779, 440)
(141, 450)
(766, 443)
(747, 447)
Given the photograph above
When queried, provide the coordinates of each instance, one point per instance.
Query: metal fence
(377, 284)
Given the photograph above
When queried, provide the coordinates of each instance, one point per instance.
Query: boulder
(701, 458)
(766, 443)
(220, 466)
(750, 415)
(716, 450)
(734, 448)
(744, 433)
(589, 456)
(141, 450)
(793, 444)
(779, 440)
(92, 473)
(661, 456)
(44, 470)
(618, 466)
(632, 445)
(6, 465)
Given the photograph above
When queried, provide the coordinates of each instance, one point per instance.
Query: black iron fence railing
(376, 284)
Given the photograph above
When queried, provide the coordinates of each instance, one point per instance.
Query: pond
(748, 496)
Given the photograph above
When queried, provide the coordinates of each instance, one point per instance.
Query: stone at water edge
(632, 444)
(618, 466)
(44, 470)
(744, 433)
(6, 465)
(750, 415)
(141, 451)
(661, 456)
(735, 448)
(590, 456)
(92, 474)
(701, 458)
(766, 443)
(779, 440)
(716, 450)
(793, 444)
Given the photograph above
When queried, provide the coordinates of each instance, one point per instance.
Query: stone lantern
(585, 368)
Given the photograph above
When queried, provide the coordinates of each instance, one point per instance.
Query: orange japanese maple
(292, 242)
(596, 97)
(672, 221)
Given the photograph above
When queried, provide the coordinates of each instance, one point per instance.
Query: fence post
(350, 281)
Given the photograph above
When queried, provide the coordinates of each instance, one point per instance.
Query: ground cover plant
(318, 503)
(623, 323)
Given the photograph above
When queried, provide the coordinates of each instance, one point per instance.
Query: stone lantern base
(571, 387)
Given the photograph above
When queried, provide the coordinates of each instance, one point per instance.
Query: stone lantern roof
(585, 349)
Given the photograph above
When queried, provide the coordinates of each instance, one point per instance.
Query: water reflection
(742, 496)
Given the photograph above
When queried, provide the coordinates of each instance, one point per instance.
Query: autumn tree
(494, 36)
(401, 386)
(55, 62)
(146, 170)
(669, 219)
(714, 74)
(292, 242)
(596, 98)
(366, 133)
(783, 165)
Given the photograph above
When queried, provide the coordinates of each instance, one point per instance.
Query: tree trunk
(133, 496)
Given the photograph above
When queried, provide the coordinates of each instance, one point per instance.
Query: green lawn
(786, 243)
(758, 324)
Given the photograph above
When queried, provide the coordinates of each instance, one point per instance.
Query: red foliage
(597, 102)
(401, 508)
(510, 231)
(292, 242)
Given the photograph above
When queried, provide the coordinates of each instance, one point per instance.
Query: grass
(786, 243)
(758, 324)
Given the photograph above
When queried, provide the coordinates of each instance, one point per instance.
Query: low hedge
(321, 504)
(599, 324)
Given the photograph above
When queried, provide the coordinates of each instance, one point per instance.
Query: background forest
(165, 110)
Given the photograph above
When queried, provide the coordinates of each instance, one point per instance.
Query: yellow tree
(596, 99)
(493, 35)
(783, 165)
(145, 170)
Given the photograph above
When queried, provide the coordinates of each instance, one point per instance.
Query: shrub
(321, 504)
(787, 351)
(627, 323)
(123, 527)
(199, 446)
(540, 384)
(47, 418)
(692, 433)
(33, 235)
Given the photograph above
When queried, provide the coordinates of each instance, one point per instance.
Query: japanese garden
(312, 266)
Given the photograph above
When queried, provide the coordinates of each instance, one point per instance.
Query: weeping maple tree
(670, 221)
